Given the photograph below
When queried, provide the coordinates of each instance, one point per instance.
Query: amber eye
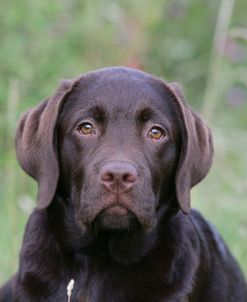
(156, 133)
(86, 128)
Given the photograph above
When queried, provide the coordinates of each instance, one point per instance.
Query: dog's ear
(196, 149)
(36, 143)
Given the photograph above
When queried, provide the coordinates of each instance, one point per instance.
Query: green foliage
(43, 41)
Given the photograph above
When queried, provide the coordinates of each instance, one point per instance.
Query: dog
(115, 153)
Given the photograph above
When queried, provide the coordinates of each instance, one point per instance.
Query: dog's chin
(116, 219)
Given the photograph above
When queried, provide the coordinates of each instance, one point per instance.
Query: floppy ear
(36, 143)
(196, 149)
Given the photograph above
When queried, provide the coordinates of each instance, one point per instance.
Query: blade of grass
(216, 73)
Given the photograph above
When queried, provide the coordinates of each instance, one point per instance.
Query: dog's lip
(88, 217)
(116, 209)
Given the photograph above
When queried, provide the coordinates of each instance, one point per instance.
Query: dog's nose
(118, 177)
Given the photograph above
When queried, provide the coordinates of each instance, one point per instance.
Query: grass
(221, 197)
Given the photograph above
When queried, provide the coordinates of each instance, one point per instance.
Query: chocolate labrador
(115, 153)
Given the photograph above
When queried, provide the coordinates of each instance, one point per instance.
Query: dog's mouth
(116, 214)
(115, 218)
(117, 210)
(110, 211)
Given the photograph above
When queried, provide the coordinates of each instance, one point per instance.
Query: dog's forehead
(122, 91)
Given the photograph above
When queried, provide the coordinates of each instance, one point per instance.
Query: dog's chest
(80, 294)
(83, 297)
(104, 289)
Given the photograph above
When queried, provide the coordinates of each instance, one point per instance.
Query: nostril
(107, 176)
(129, 177)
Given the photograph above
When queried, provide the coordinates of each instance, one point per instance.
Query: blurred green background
(201, 44)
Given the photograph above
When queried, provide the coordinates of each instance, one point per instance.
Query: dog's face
(117, 143)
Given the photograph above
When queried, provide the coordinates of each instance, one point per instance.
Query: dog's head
(117, 144)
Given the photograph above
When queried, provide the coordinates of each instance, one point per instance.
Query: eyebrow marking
(144, 114)
(98, 112)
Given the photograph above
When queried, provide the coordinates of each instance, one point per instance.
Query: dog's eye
(86, 128)
(156, 133)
